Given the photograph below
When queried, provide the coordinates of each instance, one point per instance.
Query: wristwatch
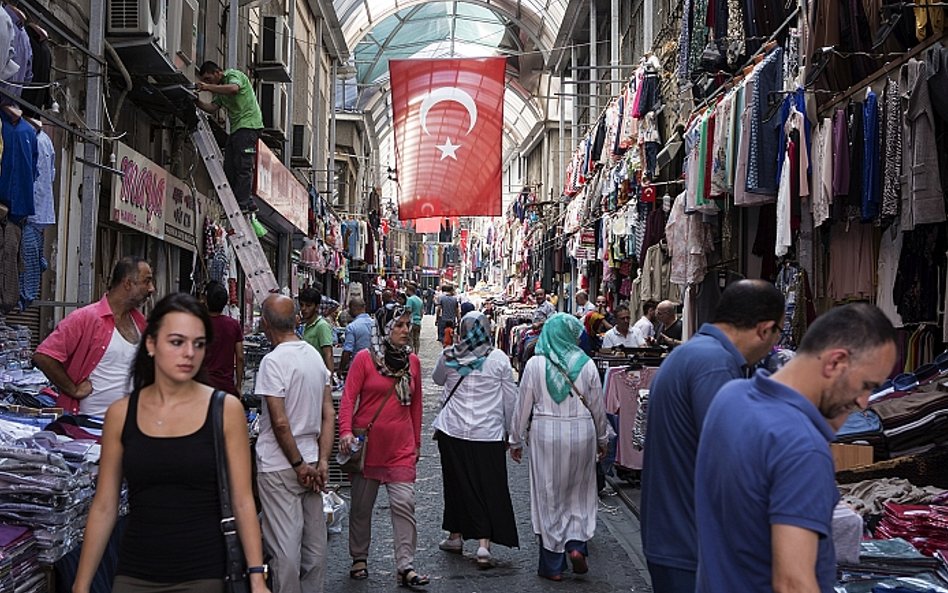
(262, 569)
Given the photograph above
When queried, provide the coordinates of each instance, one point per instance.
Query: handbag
(235, 575)
(357, 459)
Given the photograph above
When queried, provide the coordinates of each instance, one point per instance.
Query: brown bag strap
(382, 405)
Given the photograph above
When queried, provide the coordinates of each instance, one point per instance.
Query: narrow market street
(616, 560)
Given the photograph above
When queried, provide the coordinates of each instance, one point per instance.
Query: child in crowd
(448, 334)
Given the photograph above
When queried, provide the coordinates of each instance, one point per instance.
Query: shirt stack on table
(19, 568)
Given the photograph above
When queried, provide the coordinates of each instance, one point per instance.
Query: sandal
(359, 570)
(411, 579)
(551, 577)
(578, 560)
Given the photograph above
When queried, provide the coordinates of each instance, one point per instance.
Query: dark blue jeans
(554, 563)
(666, 579)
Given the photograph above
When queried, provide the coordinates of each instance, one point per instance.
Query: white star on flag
(448, 150)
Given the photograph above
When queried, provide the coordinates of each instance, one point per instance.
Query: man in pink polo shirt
(90, 353)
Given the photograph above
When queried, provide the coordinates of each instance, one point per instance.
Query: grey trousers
(294, 531)
(401, 498)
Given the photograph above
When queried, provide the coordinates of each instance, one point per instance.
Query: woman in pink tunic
(385, 378)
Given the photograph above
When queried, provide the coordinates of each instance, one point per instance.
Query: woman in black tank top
(160, 439)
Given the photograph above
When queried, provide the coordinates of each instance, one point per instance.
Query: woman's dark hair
(143, 369)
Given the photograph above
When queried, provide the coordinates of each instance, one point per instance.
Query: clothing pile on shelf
(19, 563)
(47, 483)
(891, 560)
(924, 526)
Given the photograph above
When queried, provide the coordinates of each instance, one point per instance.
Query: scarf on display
(558, 343)
(591, 322)
(390, 360)
(470, 352)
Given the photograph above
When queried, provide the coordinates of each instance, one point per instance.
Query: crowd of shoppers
(707, 417)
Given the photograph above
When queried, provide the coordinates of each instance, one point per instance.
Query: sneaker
(483, 557)
(452, 545)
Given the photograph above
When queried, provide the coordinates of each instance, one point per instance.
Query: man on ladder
(232, 91)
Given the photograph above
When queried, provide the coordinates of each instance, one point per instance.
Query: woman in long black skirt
(471, 429)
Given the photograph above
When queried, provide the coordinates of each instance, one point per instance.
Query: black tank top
(173, 529)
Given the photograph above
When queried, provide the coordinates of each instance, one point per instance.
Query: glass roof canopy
(379, 30)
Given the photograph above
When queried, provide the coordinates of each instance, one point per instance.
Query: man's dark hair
(209, 67)
(857, 327)
(648, 306)
(310, 296)
(127, 267)
(746, 303)
(216, 297)
(622, 308)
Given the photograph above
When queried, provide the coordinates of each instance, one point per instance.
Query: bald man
(669, 328)
(296, 433)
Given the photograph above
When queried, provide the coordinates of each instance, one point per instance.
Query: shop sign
(181, 214)
(138, 199)
(276, 185)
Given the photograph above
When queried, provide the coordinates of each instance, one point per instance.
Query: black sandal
(359, 570)
(411, 579)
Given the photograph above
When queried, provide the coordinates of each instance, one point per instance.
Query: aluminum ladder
(242, 239)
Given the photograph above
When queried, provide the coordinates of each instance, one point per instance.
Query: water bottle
(357, 444)
(343, 458)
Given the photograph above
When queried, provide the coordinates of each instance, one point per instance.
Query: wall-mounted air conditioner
(302, 145)
(137, 18)
(273, 103)
(273, 49)
(182, 34)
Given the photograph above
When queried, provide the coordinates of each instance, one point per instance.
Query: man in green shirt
(416, 306)
(233, 91)
(316, 330)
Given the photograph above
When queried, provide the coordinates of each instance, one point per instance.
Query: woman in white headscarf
(471, 430)
(561, 407)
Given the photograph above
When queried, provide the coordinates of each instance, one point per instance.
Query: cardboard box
(850, 456)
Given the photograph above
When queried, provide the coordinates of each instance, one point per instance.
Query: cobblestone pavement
(616, 561)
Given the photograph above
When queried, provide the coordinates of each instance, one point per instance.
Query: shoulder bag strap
(572, 386)
(382, 405)
(220, 452)
(453, 389)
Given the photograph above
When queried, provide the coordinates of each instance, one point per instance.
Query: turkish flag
(448, 119)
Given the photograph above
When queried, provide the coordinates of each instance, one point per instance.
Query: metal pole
(288, 116)
(593, 61)
(91, 176)
(575, 131)
(331, 155)
(233, 26)
(317, 104)
(562, 132)
(648, 29)
(614, 47)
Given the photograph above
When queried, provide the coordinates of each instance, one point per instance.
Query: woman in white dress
(560, 415)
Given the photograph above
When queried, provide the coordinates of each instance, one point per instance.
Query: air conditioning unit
(138, 18)
(274, 41)
(302, 145)
(273, 103)
(182, 34)
(273, 49)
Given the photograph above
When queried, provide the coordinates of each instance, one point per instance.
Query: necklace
(159, 421)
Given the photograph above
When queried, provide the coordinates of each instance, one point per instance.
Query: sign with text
(138, 199)
(181, 222)
(276, 186)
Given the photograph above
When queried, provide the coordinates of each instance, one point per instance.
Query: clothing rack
(888, 67)
(763, 50)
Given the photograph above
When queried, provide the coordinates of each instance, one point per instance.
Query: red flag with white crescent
(448, 119)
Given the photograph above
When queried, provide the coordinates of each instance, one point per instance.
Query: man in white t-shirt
(296, 434)
(646, 324)
(583, 305)
(622, 335)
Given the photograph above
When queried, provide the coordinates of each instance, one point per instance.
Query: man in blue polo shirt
(358, 333)
(764, 484)
(746, 326)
